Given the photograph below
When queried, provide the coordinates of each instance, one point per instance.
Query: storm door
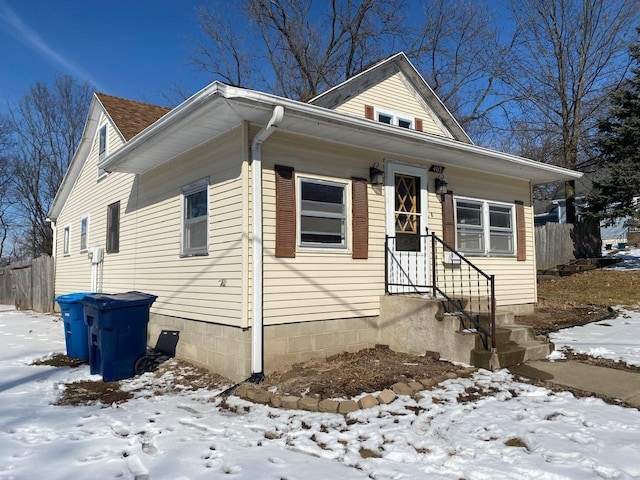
(407, 247)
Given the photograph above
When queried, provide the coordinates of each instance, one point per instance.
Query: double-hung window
(113, 228)
(484, 227)
(322, 213)
(84, 233)
(195, 218)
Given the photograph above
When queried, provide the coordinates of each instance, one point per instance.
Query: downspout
(257, 327)
(54, 244)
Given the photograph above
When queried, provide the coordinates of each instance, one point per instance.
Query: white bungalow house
(275, 231)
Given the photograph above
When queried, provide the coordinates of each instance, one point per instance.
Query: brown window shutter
(521, 231)
(419, 124)
(448, 221)
(285, 212)
(368, 112)
(360, 220)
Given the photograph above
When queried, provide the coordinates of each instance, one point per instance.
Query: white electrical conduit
(257, 340)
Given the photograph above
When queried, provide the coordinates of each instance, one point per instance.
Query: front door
(407, 248)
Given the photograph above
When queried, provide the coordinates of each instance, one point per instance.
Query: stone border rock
(256, 394)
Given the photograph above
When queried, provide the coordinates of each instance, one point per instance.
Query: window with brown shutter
(285, 212)
(521, 230)
(360, 220)
(419, 125)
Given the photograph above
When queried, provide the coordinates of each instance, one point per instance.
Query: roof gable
(130, 116)
(393, 84)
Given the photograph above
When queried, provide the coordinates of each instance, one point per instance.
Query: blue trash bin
(117, 329)
(75, 330)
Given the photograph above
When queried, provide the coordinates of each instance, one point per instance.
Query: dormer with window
(390, 117)
(393, 92)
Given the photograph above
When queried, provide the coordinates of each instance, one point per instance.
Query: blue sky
(130, 48)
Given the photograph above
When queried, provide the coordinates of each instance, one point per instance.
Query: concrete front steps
(515, 344)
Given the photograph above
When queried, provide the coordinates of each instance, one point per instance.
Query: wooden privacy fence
(28, 285)
(559, 243)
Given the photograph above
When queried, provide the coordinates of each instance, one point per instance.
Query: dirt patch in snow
(552, 314)
(60, 360)
(172, 376)
(347, 375)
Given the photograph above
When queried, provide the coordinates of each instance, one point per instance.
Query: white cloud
(13, 24)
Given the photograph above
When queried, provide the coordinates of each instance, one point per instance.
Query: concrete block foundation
(405, 324)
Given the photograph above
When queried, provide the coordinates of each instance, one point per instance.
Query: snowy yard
(518, 431)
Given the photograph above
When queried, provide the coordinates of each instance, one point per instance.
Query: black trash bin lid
(118, 300)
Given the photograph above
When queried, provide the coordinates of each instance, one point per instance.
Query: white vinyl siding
(321, 283)
(150, 232)
(396, 95)
(515, 280)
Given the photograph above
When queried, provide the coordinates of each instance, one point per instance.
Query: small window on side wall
(66, 240)
(195, 218)
(113, 228)
(84, 233)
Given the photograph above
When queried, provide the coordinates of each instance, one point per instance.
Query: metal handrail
(408, 265)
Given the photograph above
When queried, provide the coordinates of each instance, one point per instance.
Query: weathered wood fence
(559, 243)
(28, 285)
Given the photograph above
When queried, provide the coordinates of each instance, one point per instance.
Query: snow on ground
(448, 433)
(616, 339)
(630, 259)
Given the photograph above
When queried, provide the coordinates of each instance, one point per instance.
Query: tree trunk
(570, 195)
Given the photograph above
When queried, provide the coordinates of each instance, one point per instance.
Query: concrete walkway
(617, 384)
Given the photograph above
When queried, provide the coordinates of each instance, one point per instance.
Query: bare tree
(463, 54)
(569, 55)
(298, 48)
(46, 126)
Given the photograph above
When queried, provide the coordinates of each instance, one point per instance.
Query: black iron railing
(426, 265)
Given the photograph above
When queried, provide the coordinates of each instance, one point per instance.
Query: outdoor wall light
(376, 175)
(442, 187)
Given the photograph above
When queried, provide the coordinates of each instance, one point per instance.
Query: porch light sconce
(442, 187)
(376, 175)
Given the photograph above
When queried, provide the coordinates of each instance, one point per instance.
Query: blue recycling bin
(117, 330)
(76, 334)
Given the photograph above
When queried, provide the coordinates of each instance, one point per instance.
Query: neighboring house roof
(129, 116)
(382, 70)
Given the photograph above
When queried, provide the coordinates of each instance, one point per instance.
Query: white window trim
(197, 186)
(86, 246)
(486, 227)
(395, 117)
(66, 240)
(323, 247)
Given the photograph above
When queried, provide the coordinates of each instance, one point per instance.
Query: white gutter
(257, 325)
